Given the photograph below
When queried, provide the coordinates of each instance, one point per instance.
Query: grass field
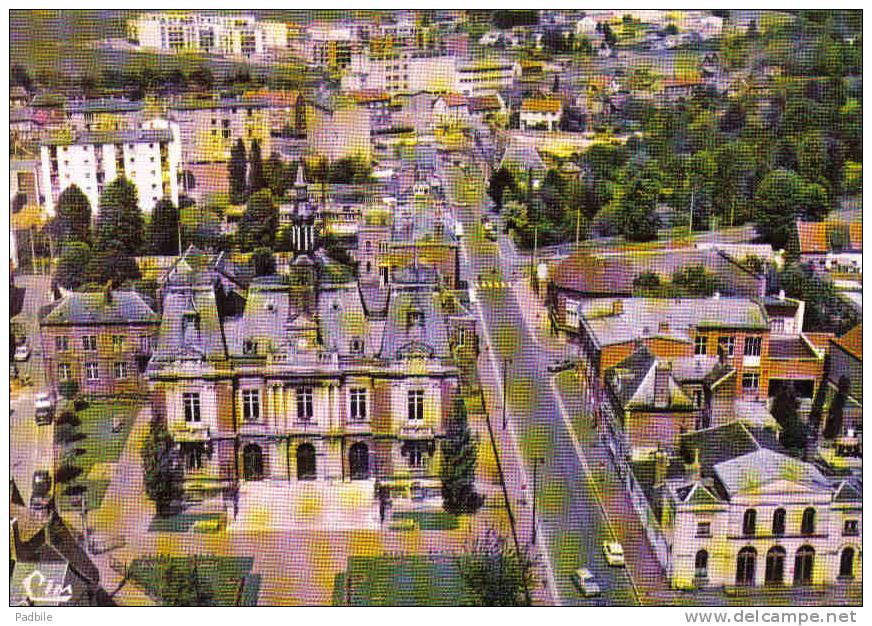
(401, 581)
(101, 448)
(229, 578)
(429, 520)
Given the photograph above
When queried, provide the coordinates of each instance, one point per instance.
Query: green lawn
(401, 581)
(181, 523)
(429, 520)
(101, 448)
(230, 578)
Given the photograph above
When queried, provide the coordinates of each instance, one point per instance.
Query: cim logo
(39, 588)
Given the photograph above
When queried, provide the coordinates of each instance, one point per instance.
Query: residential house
(100, 340)
(109, 114)
(832, 248)
(451, 109)
(541, 114)
(846, 359)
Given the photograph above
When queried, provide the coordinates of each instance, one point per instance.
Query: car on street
(586, 583)
(44, 408)
(22, 352)
(560, 365)
(40, 494)
(614, 553)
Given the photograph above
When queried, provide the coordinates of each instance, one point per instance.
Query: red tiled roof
(812, 237)
(364, 96)
(541, 105)
(454, 100)
(852, 342)
(485, 103)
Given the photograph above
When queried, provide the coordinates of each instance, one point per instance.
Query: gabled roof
(847, 492)
(94, 307)
(633, 381)
(751, 472)
(403, 333)
(485, 103)
(522, 155)
(852, 342)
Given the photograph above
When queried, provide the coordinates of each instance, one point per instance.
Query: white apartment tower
(149, 157)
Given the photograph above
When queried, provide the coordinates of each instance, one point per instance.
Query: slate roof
(644, 317)
(522, 155)
(761, 467)
(343, 318)
(115, 136)
(92, 308)
(632, 381)
(848, 492)
(720, 443)
(104, 105)
(401, 335)
(191, 326)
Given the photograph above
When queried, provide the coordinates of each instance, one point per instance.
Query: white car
(614, 553)
(585, 582)
(44, 408)
(22, 352)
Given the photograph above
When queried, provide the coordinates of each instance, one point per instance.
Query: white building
(149, 157)
(541, 113)
(742, 513)
(230, 35)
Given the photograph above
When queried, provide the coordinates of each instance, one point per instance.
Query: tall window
(572, 313)
(746, 564)
(778, 523)
(416, 456)
(358, 404)
(807, 522)
(304, 403)
(145, 343)
(65, 371)
(251, 405)
(778, 325)
(700, 569)
(120, 370)
(751, 382)
(727, 344)
(62, 343)
(117, 343)
(749, 522)
(753, 346)
(700, 345)
(416, 405)
(91, 371)
(193, 455)
(89, 343)
(191, 404)
(846, 563)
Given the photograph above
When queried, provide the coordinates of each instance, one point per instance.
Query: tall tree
(164, 233)
(256, 180)
(237, 168)
(120, 226)
(782, 196)
(496, 572)
(73, 215)
(74, 258)
(160, 468)
(459, 455)
(500, 180)
(837, 409)
(636, 201)
(264, 262)
(784, 409)
(180, 583)
(259, 223)
(277, 175)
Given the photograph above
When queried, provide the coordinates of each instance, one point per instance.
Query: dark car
(40, 496)
(560, 365)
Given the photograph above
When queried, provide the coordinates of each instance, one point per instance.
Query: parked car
(22, 352)
(44, 406)
(586, 583)
(40, 495)
(614, 553)
(560, 365)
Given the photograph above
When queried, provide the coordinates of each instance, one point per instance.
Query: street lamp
(536, 461)
(506, 362)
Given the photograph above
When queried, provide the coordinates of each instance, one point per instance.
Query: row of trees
(105, 252)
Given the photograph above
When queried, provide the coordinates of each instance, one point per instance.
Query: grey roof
(191, 326)
(642, 317)
(698, 368)
(115, 136)
(93, 307)
(224, 103)
(103, 105)
(632, 381)
(848, 492)
(720, 443)
(401, 336)
(343, 318)
(751, 471)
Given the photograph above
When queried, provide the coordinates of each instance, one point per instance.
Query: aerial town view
(436, 307)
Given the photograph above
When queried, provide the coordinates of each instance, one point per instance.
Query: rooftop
(541, 105)
(852, 342)
(115, 136)
(94, 307)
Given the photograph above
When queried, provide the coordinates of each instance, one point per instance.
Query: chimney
(617, 307)
(661, 464)
(781, 295)
(694, 467)
(661, 385)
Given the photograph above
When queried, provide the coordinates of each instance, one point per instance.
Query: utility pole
(536, 461)
(690, 226)
(577, 224)
(506, 363)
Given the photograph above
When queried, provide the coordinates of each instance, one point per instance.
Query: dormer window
(249, 347)
(356, 345)
(415, 319)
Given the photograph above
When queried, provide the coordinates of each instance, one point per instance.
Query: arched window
(803, 566)
(252, 462)
(358, 460)
(746, 564)
(701, 564)
(807, 522)
(306, 469)
(775, 565)
(749, 522)
(846, 563)
(778, 523)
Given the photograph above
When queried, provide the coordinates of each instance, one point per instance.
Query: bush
(69, 417)
(68, 388)
(67, 472)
